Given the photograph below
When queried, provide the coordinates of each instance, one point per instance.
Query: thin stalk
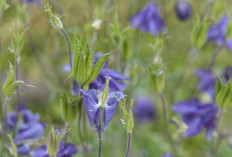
(17, 59)
(79, 123)
(5, 105)
(214, 56)
(94, 39)
(129, 135)
(165, 117)
(69, 46)
(99, 132)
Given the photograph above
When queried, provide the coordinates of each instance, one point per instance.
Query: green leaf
(10, 78)
(97, 68)
(76, 59)
(13, 148)
(81, 69)
(89, 62)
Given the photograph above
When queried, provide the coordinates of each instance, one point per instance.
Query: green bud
(157, 80)
(126, 46)
(17, 42)
(115, 35)
(128, 119)
(13, 148)
(224, 94)
(199, 33)
(53, 141)
(55, 20)
(105, 93)
(219, 8)
(69, 107)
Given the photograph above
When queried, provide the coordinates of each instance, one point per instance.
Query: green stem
(5, 105)
(69, 46)
(129, 135)
(99, 132)
(214, 56)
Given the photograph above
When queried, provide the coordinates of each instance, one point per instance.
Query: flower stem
(5, 112)
(214, 56)
(99, 132)
(17, 59)
(129, 135)
(164, 108)
(79, 123)
(69, 46)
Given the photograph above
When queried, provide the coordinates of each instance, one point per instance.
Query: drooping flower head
(197, 115)
(28, 128)
(93, 104)
(217, 31)
(149, 20)
(144, 109)
(207, 82)
(183, 10)
(64, 150)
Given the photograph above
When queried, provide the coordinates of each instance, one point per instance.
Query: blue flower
(207, 81)
(183, 10)
(92, 101)
(227, 73)
(197, 115)
(144, 109)
(217, 32)
(66, 150)
(28, 128)
(149, 20)
(167, 155)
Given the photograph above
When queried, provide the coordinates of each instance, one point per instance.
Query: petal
(194, 128)
(186, 107)
(116, 75)
(39, 152)
(66, 68)
(67, 150)
(23, 150)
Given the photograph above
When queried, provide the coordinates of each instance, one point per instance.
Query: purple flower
(217, 32)
(207, 81)
(197, 115)
(167, 155)
(149, 20)
(144, 109)
(92, 101)
(31, 1)
(28, 128)
(227, 73)
(66, 150)
(183, 10)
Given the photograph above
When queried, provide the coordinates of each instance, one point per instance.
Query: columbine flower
(115, 84)
(65, 150)
(227, 73)
(207, 82)
(197, 115)
(149, 20)
(167, 155)
(217, 32)
(183, 10)
(144, 109)
(28, 128)
(93, 104)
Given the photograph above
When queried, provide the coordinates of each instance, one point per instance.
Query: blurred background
(45, 53)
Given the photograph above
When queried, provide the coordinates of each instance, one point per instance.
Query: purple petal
(39, 152)
(23, 150)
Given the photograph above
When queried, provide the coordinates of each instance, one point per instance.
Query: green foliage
(17, 42)
(157, 80)
(105, 93)
(224, 94)
(128, 119)
(13, 148)
(55, 20)
(199, 33)
(69, 107)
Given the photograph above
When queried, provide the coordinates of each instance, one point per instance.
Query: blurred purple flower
(197, 115)
(31, 1)
(167, 155)
(227, 73)
(92, 101)
(66, 150)
(144, 109)
(183, 10)
(207, 81)
(217, 31)
(28, 128)
(149, 20)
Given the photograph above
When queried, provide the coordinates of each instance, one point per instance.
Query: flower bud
(183, 10)
(17, 42)
(157, 80)
(55, 20)
(69, 107)
(105, 93)
(128, 119)
(97, 24)
(224, 94)
(54, 140)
